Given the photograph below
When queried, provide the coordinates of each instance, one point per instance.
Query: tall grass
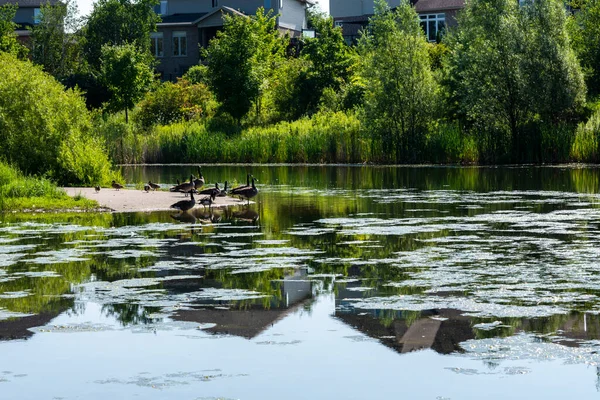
(585, 145)
(19, 192)
(324, 138)
(338, 137)
(14, 184)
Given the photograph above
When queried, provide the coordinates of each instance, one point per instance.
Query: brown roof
(438, 5)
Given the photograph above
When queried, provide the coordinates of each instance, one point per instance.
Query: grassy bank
(331, 137)
(22, 193)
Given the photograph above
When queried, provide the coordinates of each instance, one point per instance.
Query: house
(27, 15)
(188, 24)
(435, 15)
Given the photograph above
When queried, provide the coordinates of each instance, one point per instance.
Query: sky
(85, 6)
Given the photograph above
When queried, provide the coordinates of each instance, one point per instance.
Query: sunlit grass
(24, 193)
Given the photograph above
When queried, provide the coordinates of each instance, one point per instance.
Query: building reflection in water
(443, 330)
(295, 290)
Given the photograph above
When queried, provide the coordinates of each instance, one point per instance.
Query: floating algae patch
(15, 295)
(170, 379)
(272, 242)
(529, 347)
(171, 265)
(488, 326)
(119, 254)
(59, 256)
(16, 248)
(5, 314)
(469, 306)
(74, 328)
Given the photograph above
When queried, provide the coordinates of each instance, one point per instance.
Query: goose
(235, 189)
(185, 205)
(199, 182)
(154, 186)
(147, 188)
(117, 186)
(247, 192)
(212, 191)
(207, 201)
(97, 189)
(185, 187)
(223, 192)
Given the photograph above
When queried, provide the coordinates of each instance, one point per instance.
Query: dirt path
(129, 200)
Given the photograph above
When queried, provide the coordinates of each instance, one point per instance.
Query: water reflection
(415, 257)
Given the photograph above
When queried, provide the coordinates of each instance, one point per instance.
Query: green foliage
(173, 102)
(585, 35)
(587, 138)
(46, 130)
(555, 80)
(127, 73)
(400, 90)
(329, 63)
(511, 68)
(437, 53)
(447, 144)
(8, 38)
(326, 137)
(285, 93)
(197, 74)
(19, 192)
(117, 22)
(54, 45)
(241, 60)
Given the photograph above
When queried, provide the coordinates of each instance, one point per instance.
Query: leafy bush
(197, 74)
(173, 102)
(45, 129)
(585, 144)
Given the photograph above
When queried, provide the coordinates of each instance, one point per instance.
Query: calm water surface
(339, 283)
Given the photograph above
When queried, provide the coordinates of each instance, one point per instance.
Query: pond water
(338, 283)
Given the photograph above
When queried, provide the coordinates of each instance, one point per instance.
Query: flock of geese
(195, 185)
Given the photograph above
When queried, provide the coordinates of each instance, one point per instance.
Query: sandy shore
(128, 200)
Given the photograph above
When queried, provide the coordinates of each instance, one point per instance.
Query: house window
(339, 24)
(433, 25)
(179, 44)
(267, 4)
(36, 15)
(161, 9)
(215, 3)
(156, 44)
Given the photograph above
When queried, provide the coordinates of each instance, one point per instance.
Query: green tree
(8, 38)
(400, 90)
(127, 73)
(329, 60)
(56, 46)
(555, 80)
(241, 61)
(45, 129)
(117, 22)
(585, 34)
(509, 66)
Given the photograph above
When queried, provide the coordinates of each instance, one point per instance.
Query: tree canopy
(127, 73)
(241, 60)
(56, 44)
(400, 89)
(8, 38)
(117, 22)
(510, 64)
